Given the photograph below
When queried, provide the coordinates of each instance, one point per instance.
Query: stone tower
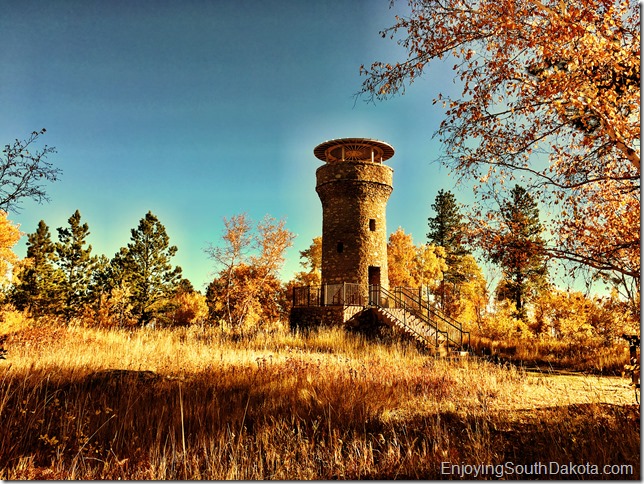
(354, 186)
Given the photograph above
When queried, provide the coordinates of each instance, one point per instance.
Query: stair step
(413, 326)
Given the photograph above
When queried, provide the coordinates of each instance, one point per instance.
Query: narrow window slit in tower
(372, 224)
(340, 247)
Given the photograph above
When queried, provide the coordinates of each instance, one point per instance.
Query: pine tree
(518, 248)
(101, 280)
(38, 281)
(145, 266)
(76, 263)
(447, 230)
(311, 261)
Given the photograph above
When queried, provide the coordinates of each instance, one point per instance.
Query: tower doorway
(374, 276)
(374, 285)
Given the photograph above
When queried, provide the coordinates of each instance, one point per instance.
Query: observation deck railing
(410, 299)
(342, 294)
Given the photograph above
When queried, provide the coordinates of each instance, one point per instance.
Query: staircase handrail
(399, 303)
(457, 325)
(424, 304)
(411, 329)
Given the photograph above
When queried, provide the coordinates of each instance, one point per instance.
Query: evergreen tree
(185, 287)
(38, 281)
(447, 230)
(101, 278)
(311, 261)
(76, 263)
(145, 266)
(101, 282)
(518, 248)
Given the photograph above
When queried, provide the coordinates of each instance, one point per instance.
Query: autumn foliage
(551, 94)
(9, 236)
(549, 105)
(413, 265)
(247, 292)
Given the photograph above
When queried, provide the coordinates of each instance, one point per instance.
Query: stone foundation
(308, 317)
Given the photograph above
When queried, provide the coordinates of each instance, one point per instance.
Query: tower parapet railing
(341, 294)
(304, 296)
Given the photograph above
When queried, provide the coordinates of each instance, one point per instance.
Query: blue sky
(199, 110)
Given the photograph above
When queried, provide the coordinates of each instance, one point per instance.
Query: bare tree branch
(23, 171)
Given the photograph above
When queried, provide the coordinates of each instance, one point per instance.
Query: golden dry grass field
(195, 403)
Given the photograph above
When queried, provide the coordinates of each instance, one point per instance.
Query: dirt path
(544, 389)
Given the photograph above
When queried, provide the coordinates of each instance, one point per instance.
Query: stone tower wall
(354, 197)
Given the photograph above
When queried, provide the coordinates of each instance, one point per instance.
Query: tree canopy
(311, 261)
(550, 94)
(448, 230)
(38, 278)
(411, 265)
(515, 243)
(75, 263)
(247, 291)
(146, 268)
(9, 236)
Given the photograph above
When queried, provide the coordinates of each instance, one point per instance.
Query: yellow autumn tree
(573, 315)
(10, 319)
(401, 254)
(550, 94)
(9, 236)
(413, 265)
(247, 291)
(189, 307)
(472, 294)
